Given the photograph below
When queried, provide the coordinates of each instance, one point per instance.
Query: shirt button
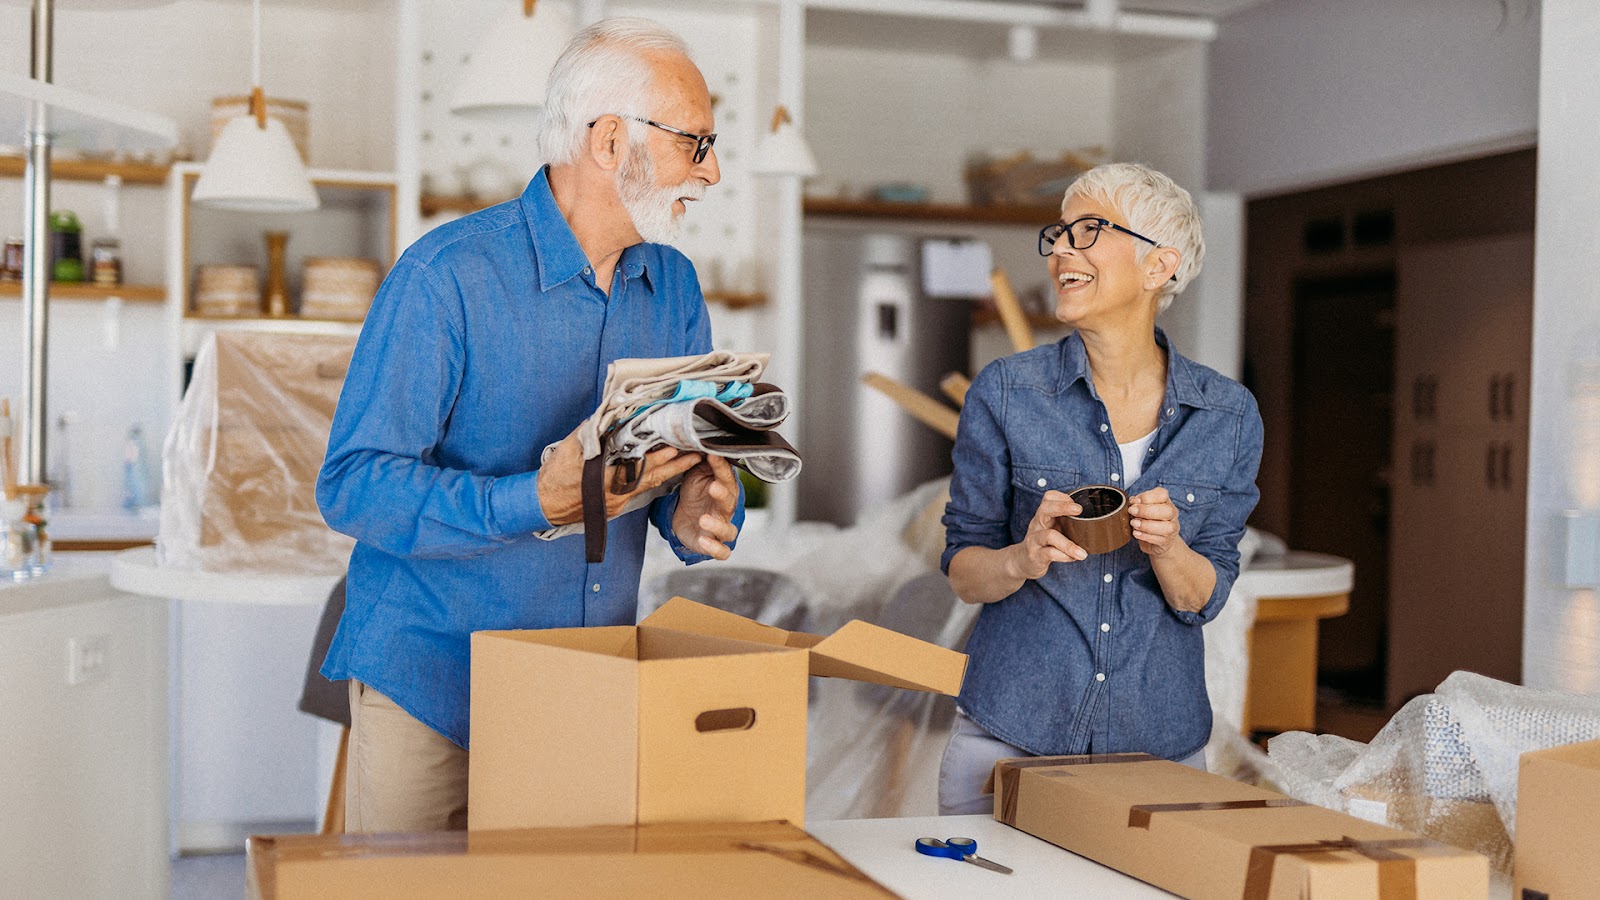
(596, 587)
(1040, 482)
(1108, 581)
(1169, 411)
(1099, 676)
(1115, 477)
(1189, 497)
(589, 271)
(1105, 626)
(1104, 427)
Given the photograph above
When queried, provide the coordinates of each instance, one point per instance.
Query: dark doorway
(1343, 374)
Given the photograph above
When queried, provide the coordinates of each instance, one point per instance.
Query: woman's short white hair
(604, 70)
(1156, 207)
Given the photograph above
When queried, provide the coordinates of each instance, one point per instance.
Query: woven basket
(337, 287)
(227, 290)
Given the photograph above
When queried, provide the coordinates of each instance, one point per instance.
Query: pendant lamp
(506, 76)
(784, 150)
(254, 166)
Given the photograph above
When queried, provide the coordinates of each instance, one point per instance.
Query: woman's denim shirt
(1090, 658)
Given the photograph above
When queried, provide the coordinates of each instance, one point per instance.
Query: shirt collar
(1181, 383)
(557, 255)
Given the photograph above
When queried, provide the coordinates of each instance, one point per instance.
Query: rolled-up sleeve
(1219, 540)
(979, 511)
(380, 482)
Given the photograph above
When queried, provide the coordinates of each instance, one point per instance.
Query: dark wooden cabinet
(1462, 356)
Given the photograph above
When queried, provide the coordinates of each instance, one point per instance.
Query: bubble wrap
(1444, 767)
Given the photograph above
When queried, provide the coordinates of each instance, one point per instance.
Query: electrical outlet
(87, 658)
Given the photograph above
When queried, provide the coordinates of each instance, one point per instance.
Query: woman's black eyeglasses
(1082, 233)
(702, 142)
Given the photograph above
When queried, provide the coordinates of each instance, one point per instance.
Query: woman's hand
(1044, 544)
(1155, 522)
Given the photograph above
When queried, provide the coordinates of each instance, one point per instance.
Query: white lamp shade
(784, 152)
(506, 76)
(255, 169)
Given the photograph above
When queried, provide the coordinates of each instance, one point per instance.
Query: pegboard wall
(461, 156)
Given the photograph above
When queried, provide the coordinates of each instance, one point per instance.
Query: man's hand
(706, 500)
(561, 479)
(1044, 544)
(1155, 522)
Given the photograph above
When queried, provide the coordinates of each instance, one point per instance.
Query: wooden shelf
(85, 170)
(82, 290)
(736, 301)
(986, 315)
(1038, 216)
(433, 204)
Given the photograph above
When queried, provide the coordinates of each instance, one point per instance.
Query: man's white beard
(650, 207)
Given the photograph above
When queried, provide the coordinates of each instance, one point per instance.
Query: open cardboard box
(771, 859)
(1204, 836)
(1558, 792)
(694, 715)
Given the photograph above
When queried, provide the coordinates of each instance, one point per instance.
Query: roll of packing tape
(1104, 525)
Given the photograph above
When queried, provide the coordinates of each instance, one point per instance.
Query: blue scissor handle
(954, 848)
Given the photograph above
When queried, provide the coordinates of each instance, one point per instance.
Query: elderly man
(487, 342)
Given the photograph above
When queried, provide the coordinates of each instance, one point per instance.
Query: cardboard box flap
(866, 652)
(859, 651)
(682, 614)
(697, 860)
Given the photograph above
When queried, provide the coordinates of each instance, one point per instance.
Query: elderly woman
(1072, 652)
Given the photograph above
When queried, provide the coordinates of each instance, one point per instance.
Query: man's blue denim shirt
(487, 341)
(1090, 658)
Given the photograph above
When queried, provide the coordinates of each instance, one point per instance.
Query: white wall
(173, 59)
(1308, 91)
(888, 115)
(1561, 626)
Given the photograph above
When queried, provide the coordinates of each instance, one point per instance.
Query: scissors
(962, 848)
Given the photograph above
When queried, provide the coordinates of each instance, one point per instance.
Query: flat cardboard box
(772, 859)
(1558, 833)
(1205, 836)
(694, 715)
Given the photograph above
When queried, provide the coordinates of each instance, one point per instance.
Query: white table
(246, 759)
(883, 848)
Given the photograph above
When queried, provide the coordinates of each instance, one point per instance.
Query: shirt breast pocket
(1195, 503)
(1028, 484)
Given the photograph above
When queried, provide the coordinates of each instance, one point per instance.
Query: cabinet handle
(1508, 385)
(1494, 398)
(1491, 469)
(1505, 465)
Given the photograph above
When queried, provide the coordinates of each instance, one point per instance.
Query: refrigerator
(866, 309)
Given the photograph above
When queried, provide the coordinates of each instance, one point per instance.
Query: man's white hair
(1156, 207)
(602, 71)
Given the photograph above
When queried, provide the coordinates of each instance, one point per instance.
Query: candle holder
(275, 300)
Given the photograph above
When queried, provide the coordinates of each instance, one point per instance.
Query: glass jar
(13, 263)
(105, 261)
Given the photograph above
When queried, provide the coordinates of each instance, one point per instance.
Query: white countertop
(73, 578)
(136, 571)
(884, 849)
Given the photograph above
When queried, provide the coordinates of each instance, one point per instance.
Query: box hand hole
(737, 719)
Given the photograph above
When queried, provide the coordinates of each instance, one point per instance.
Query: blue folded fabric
(731, 392)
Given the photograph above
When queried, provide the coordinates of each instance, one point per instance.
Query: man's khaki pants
(400, 775)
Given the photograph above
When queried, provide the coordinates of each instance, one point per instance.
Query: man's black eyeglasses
(702, 142)
(1082, 233)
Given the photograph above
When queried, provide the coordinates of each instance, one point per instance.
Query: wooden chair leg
(333, 816)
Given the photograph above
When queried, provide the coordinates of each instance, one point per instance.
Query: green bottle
(66, 246)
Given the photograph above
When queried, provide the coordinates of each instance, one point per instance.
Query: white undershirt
(1133, 454)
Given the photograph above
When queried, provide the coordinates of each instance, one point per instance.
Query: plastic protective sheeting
(1445, 766)
(874, 752)
(240, 463)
